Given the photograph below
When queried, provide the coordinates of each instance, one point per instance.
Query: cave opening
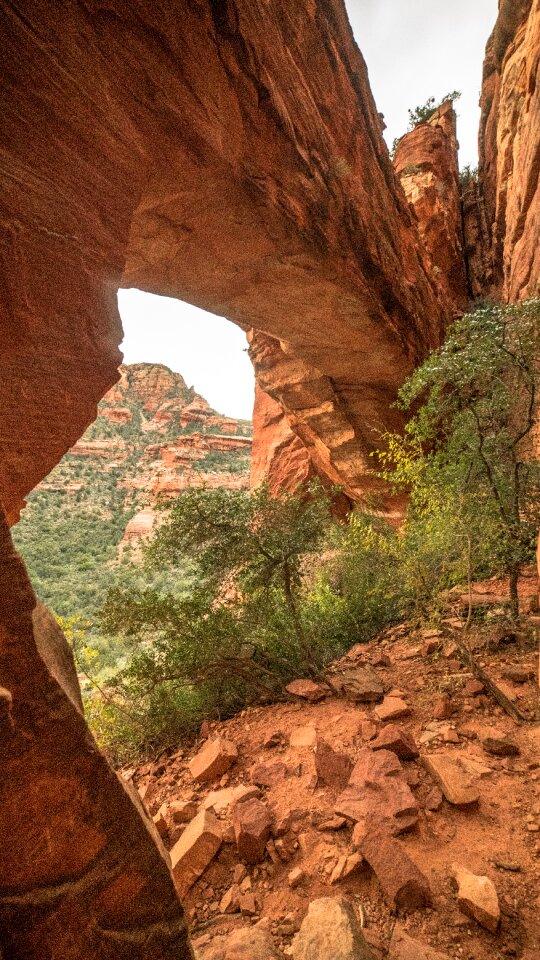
(180, 416)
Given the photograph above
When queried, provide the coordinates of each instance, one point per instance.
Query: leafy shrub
(424, 111)
(465, 456)
(241, 630)
(468, 175)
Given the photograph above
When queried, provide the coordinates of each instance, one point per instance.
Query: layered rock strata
(510, 147)
(426, 162)
(200, 157)
(231, 157)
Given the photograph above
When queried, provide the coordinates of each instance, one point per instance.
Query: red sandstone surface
(231, 157)
(510, 147)
(420, 774)
(426, 162)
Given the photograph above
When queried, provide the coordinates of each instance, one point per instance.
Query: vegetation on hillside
(466, 456)
(70, 531)
(241, 592)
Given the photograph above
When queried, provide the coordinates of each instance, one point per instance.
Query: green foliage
(424, 111)
(241, 630)
(465, 454)
(223, 461)
(360, 584)
(410, 170)
(67, 551)
(70, 531)
(468, 175)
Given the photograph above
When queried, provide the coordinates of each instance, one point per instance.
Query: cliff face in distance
(162, 437)
(154, 437)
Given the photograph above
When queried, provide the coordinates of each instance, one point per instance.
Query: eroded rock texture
(510, 147)
(82, 875)
(426, 162)
(230, 156)
(279, 458)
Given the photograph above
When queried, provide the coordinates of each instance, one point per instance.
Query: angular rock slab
(303, 737)
(500, 747)
(195, 849)
(182, 811)
(267, 774)
(392, 708)
(222, 801)
(252, 944)
(361, 685)
(398, 741)
(377, 795)
(330, 931)
(403, 947)
(252, 825)
(307, 690)
(477, 897)
(452, 777)
(404, 886)
(213, 760)
(332, 768)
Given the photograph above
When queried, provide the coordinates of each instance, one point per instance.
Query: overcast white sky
(414, 49)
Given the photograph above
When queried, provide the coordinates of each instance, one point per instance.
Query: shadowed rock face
(230, 156)
(279, 457)
(82, 875)
(510, 147)
(426, 162)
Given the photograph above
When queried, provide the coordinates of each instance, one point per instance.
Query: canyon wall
(426, 162)
(231, 157)
(510, 148)
(204, 158)
(84, 873)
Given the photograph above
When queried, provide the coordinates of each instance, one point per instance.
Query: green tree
(466, 455)
(424, 111)
(239, 631)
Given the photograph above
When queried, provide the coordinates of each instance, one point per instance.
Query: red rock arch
(230, 154)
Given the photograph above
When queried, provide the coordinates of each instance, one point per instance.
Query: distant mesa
(154, 438)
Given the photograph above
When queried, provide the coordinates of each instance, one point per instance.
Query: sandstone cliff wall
(203, 157)
(426, 162)
(231, 156)
(510, 148)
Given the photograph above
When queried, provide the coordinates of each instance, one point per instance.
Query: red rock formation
(314, 412)
(141, 525)
(117, 414)
(83, 872)
(477, 241)
(135, 178)
(140, 471)
(232, 157)
(278, 457)
(87, 447)
(153, 383)
(510, 147)
(426, 162)
(169, 483)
